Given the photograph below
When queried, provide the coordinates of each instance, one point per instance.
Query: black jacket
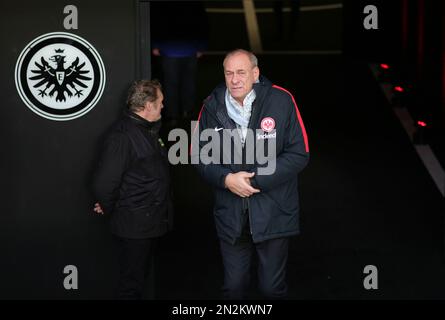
(132, 182)
(274, 212)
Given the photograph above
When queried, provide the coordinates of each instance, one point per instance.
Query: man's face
(240, 76)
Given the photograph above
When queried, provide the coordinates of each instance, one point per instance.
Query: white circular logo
(60, 76)
(267, 124)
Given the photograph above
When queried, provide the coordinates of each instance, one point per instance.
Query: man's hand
(156, 52)
(239, 183)
(98, 208)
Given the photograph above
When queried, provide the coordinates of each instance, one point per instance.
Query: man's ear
(148, 106)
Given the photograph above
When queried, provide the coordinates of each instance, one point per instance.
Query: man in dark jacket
(255, 210)
(132, 185)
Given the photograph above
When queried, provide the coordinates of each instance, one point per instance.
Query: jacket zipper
(247, 199)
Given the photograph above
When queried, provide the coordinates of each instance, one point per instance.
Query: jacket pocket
(148, 219)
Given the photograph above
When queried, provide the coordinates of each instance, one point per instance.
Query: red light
(398, 89)
(421, 123)
(384, 66)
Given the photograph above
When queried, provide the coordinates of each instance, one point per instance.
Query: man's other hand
(239, 183)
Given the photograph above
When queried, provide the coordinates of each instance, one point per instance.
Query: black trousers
(272, 259)
(179, 85)
(135, 259)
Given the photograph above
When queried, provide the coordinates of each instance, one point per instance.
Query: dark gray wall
(46, 221)
(372, 45)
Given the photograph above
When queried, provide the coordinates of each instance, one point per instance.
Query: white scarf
(240, 114)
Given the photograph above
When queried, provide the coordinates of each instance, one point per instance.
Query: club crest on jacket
(268, 124)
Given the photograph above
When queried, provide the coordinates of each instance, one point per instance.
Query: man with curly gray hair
(132, 186)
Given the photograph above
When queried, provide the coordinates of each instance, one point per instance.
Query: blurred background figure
(179, 37)
(280, 22)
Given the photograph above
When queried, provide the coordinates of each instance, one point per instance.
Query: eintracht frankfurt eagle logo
(268, 124)
(60, 76)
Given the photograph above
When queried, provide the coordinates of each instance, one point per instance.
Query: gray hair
(141, 92)
(253, 59)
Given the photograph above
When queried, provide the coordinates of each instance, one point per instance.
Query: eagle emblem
(60, 80)
(267, 124)
(60, 76)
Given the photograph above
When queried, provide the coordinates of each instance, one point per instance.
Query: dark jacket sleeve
(214, 174)
(294, 156)
(108, 176)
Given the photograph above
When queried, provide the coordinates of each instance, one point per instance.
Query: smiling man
(254, 212)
